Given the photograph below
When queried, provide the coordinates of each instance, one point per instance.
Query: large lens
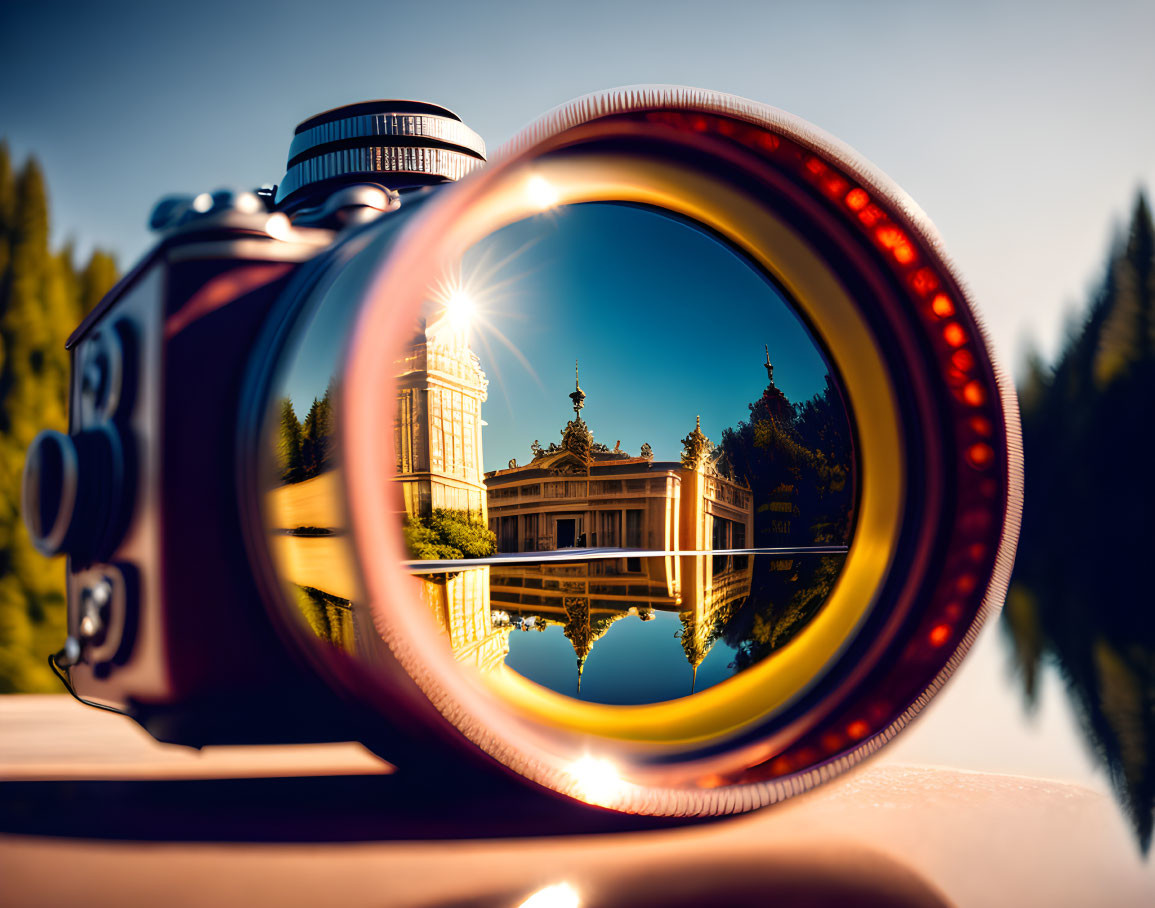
(662, 462)
(627, 467)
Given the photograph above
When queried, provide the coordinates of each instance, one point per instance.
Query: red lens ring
(987, 483)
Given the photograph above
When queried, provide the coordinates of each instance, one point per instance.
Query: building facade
(674, 521)
(437, 429)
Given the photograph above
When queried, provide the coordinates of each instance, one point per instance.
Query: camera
(305, 494)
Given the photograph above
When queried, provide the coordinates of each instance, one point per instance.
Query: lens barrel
(935, 480)
(394, 143)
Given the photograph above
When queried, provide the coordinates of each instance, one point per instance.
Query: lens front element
(684, 560)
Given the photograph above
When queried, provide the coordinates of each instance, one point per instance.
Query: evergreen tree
(1081, 593)
(1127, 337)
(289, 458)
(797, 461)
(42, 297)
(313, 442)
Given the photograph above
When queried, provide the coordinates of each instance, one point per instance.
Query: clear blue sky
(667, 322)
(1022, 129)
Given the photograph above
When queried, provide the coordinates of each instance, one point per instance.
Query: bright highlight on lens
(559, 895)
(541, 192)
(278, 226)
(597, 781)
(248, 203)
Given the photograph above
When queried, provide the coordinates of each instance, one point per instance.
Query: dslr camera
(661, 462)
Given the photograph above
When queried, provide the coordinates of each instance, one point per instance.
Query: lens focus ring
(427, 142)
(383, 127)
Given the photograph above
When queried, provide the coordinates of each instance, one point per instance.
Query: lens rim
(762, 690)
(768, 771)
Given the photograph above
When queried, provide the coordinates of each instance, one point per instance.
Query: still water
(650, 646)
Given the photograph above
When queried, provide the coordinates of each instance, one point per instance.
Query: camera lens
(688, 512)
(663, 461)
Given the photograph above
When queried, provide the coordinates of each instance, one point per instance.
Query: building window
(609, 530)
(720, 541)
(738, 541)
(507, 534)
(634, 528)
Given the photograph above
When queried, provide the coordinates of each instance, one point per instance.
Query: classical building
(437, 436)
(437, 430)
(585, 495)
(580, 494)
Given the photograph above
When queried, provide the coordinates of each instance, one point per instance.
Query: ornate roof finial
(769, 366)
(695, 447)
(578, 396)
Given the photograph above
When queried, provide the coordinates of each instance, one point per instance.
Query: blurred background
(1024, 131)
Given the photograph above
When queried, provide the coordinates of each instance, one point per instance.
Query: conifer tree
(317, 437)
(42, 297)
(1081, 591)
(312, 441)
(289, 461)
(1127, 337)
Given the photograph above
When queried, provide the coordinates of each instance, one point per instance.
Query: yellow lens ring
(778, 680)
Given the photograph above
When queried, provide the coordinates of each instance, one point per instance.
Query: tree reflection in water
(1081, 598)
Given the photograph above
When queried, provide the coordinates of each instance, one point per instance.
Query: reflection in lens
(700, 541)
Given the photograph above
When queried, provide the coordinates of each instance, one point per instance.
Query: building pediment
(563, 462)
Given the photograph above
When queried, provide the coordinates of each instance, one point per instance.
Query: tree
(1081, 593)
(317, 439)
(448, 535)
(42, 297)
(797, 461)
(290, 465)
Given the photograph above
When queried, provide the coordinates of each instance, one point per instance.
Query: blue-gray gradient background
(1023, 130)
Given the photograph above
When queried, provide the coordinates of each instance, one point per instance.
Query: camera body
(165, 620)
(237, 575)
(148, 598)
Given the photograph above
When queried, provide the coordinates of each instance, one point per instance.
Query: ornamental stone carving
(695, 447)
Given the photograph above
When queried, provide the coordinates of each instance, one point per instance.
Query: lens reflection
(700, 541)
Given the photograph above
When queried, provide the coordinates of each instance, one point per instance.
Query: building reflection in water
(684, 530)
(578, 494)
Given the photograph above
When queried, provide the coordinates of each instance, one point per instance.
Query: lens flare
(597, 781)
(559, 895)
(542, 193)
(278, 226)
(459, 309)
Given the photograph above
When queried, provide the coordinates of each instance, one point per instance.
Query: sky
(667, 324)
(1023, 130)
